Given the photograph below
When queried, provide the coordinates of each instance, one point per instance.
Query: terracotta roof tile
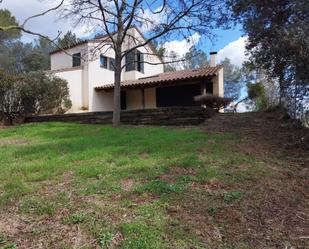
(167, 77)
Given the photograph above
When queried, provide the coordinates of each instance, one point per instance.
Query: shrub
(10, 97)
(212, 101)
(32, 93)
(45, 93)
(256, 92)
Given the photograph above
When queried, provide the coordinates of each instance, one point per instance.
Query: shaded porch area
(171, 89)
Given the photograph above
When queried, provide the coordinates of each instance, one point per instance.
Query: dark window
(123, 100)
(135, 61)
(76, 60)
(130, 61)
(112, 64)
(140, 62)
(103, 61)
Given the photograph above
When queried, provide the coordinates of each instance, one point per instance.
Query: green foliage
(2, 238)
(11, 97)
(232, 196)
(6, 19)
(158, 187)
(139, 236)
(75, 218)
(105, 238)
(232, 79)
(9, 246)
(195, 58)
(212, 210)
(46, 93)
(277, 42)
(232, 73)
(88, 164)
(68, 40)
(13, 189)
(34, 93)
(256, 92)
(19, 57)
(37, 206)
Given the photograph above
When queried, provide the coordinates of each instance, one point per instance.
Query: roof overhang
(167, 79)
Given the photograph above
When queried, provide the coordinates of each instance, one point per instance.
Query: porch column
(203, 88)
(203, 91)
(143, 98)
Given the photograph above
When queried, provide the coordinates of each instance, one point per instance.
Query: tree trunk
(235, 106)
(117, 91)
(118, 69)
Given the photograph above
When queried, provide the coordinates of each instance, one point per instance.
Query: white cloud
(178, 49)
(152, 18)
(181, 47)
(48, 24)
(235, 51)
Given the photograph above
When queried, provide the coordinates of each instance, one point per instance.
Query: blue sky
(224, 37)
(227, 42)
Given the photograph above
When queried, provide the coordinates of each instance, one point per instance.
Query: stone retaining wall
(158, 116)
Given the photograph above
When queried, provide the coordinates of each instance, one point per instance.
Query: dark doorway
(123, 100)
(209, 87)
(178, 95)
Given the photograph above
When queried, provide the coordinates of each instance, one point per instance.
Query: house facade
(88, 68)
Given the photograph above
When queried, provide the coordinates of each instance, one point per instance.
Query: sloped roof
(105, 38)
(81, 42)
(168, 77)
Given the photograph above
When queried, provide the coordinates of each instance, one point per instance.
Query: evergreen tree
(68, 40)
(195, 58)
(6, 19)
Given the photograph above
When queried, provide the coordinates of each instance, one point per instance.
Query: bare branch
(42, 14)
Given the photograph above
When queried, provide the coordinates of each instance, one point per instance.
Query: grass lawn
(94, 186)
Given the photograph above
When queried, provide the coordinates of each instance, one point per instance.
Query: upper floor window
(103, 61)
(140, 62)
(106, 62)
(135, 61)
(76, 59)
(112, 64)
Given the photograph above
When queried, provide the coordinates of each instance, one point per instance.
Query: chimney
(213, 58)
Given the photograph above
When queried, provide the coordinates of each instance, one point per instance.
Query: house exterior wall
(92, 75)
(218, 84)
(102, 101)
(134, 99)
(62, 60)
(150, 98)
(75, 84)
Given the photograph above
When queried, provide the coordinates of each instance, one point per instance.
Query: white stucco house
(88, 68)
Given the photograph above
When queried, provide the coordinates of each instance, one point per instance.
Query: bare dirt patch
(141, 199)
(127, 184)
(30, 232)
(176, 172)
(264, 133)
(273, 212)
(56, 186)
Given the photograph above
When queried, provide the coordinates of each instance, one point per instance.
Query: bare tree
(159, 19)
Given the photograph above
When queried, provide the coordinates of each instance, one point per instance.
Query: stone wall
(157, 116)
